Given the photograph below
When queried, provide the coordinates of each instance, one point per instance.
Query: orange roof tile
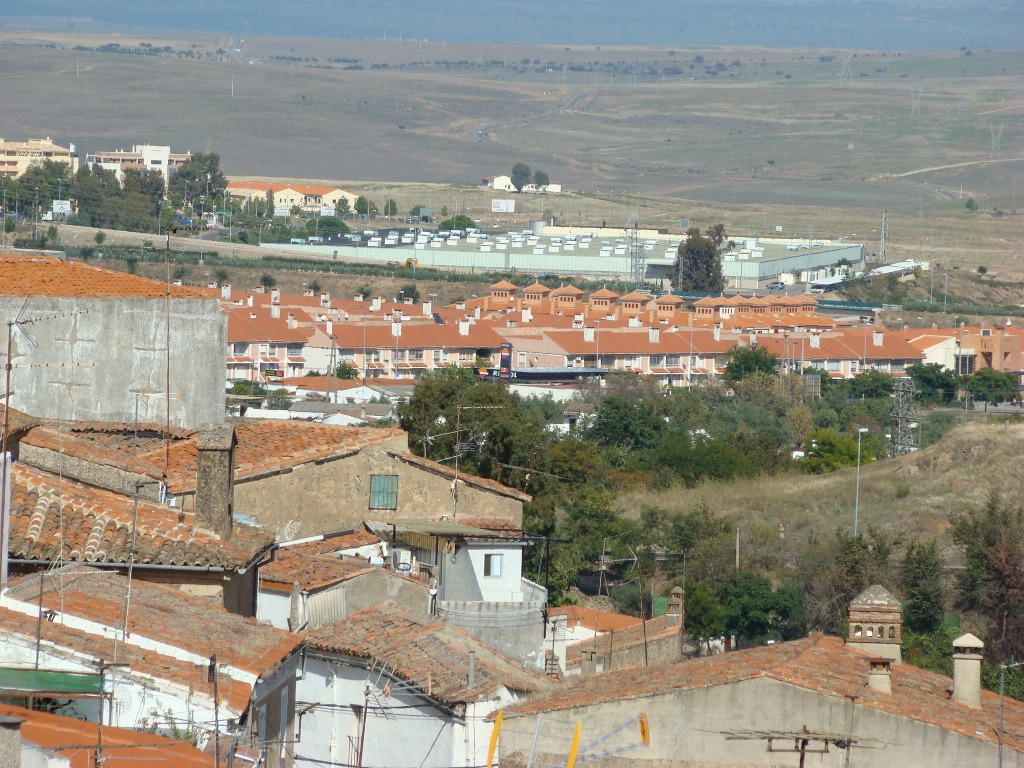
(567, 290)
(604, 293)
(425, 651)
(504, 285)
(819, 663)
(76, 739)
(312, 571)
(593, 619)
(536, 288)
(629, 636)
(52, 276)
(54, 518)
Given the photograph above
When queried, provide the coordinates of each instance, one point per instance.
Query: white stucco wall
(415, 735)
(464, 579)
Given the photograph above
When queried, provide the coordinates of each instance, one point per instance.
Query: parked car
(776, 285)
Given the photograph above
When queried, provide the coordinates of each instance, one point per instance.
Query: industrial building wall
(94, 356)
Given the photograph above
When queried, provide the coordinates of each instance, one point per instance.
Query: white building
(504, 183)
(142, 157)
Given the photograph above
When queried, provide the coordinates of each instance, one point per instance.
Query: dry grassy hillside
(913, 495)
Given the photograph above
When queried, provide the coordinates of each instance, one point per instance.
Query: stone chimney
(588, 662)
(215, 478)
(876, 623)
(295, 608)
(880, 675)
(967, 670)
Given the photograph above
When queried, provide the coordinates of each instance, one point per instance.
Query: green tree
(460, 221)
(279, 400)
(390, 207)
(100, 237)
(268, 281)
(366, 207)
(699, 264)
(327, 226)
(342, 207)
(541, 179)
(221, 275)
(199, 181)
(991, 584)
(935, 384)
(871, 384)
(346, 370)
(751, 608)
(744, 361)
(521, 175)
(704, 617)
(625, 423)
(410, 291)
(923, 588)
(826, 451)
(992, 386)
(971, 204)
(270, 203)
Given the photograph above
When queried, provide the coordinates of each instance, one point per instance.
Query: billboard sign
(503, 206)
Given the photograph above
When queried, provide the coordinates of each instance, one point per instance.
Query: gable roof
(76, 740)
(24, 275)
(426, 652)
(263, 445)
(620, 639)
(54, 518)
(493, 486)
(821, 664)
(85, 601)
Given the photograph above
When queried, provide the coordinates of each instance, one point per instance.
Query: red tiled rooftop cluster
(51, 276)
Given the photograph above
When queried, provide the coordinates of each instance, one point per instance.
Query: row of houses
(274, 337)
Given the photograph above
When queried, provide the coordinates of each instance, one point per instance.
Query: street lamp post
(856, 497)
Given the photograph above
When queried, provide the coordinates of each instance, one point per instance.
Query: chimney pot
(880, 675)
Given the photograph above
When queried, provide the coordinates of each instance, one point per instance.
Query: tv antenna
(805, 742)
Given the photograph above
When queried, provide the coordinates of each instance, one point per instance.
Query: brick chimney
(876, 623)
(967, 670)
(215, 478)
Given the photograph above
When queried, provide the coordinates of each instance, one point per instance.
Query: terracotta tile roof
(536, 288)
(262, 445)
(635, 296)
(312, 571)
(479, 482)
(51, 276)
(669, 298)
(54, 518)
(264, 186)
(159, 614)
(636, 341)
(75, 740)
(416, 336)
(319, 383)
(504, 285)
(604, 293)
(593, 619)
(621, 639)
(819, 663)
(426, 652)
(567, 290)
(242, 326)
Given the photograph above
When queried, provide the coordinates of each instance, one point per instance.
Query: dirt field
(817, 142)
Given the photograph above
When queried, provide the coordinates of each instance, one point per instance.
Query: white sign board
(503, 206)
(778, 227)
(62, 207)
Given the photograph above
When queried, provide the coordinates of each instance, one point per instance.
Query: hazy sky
(864, 24)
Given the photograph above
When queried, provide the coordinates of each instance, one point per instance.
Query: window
(240, 348)
(294, 350)
(384, 492)
(492, 565)
(672, 361)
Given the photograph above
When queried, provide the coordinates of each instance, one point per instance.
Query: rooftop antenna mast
(883, 245)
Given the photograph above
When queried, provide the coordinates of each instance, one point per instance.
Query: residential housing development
(297, 587)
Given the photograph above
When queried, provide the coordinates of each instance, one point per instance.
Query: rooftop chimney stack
(654, 335)
(588, 335)
(880, 675)
(877, 338)
(325, 299)
(375, 304)
(428, 309)
(225, 291)
(291, 320)
(275, 311)
(215, 478)
(463, 327)
(275, 295)
(967, 670)
(527, 314)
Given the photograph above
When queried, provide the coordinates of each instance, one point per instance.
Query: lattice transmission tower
(902, 418)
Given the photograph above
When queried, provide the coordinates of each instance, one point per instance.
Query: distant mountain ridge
(881, 25)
